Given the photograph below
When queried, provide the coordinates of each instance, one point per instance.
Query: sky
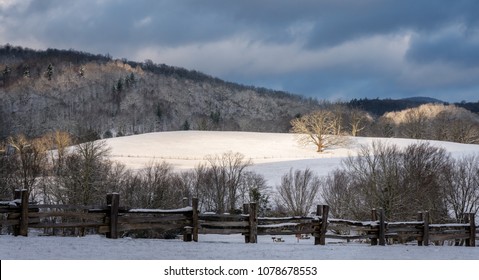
(327, 49)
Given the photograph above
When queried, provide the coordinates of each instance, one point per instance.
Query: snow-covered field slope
(272, 154)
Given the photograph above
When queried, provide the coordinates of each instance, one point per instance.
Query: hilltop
(272, 154)
(96, 96)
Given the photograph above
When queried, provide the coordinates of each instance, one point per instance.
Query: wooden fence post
(188, 230)
(374, 217)
(113, 203)
(24, 213)
(471, 219)
(382, 228)
(420, 219)
(321, 240)
(194, 204)
(18, 197)
(319, 210)
(253, 223)
(425, 234)
(246, 212)
(317, 229)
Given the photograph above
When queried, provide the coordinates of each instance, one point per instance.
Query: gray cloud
(323, 48)
(456, 45)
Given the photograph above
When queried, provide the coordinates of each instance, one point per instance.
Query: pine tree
(49, 72)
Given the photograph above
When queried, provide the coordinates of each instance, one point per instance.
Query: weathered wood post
(374, 217)
(17, 197)
(319, 210)
(382, 228)
(425, 234)
(113, 203)
(253, 223)
(317, 229)
(189, 230)
(420, 219)
(246, 212)
(24, 213)
(196, 223)
(321, 239)
(471, 241)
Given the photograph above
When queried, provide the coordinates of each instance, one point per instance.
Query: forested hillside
(95, 96)
(379, 107)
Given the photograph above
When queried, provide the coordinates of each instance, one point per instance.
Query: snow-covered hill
(272, 154)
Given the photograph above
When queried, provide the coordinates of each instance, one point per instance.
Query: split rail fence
(113, 220)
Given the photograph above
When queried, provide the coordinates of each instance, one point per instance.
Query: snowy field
(272, 155)
(96, 257)
(216, 247)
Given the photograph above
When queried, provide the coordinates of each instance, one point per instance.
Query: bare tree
(340, 192)
(401, 181)
(160, 187)
(415, 124)
(131, 190)
(298, 191)
(8, 169)
(461, 190)
(423, 173)
(201, 185)
(358, 120)
(319, 128)
(31, 157)
(227, 171)
(463, 131)
(338, 112)
(220, 183)
(58, 143)
(253, 188)
(84, 176)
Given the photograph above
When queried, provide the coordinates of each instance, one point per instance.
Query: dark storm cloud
(324, 48)
(456, 46)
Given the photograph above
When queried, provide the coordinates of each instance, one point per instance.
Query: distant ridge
(422, 99)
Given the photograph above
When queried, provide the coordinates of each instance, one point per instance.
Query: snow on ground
(215, 247)
(273, 154)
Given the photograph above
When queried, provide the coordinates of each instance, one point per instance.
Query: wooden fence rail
(113, 221)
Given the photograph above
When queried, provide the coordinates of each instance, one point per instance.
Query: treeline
(379, 107)
(428, 122)
(83, 174)
(404, 181)
(433, 122)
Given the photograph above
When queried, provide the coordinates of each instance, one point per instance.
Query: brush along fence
(114, 221)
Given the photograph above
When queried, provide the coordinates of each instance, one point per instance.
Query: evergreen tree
(49, 72)
(185, 126)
